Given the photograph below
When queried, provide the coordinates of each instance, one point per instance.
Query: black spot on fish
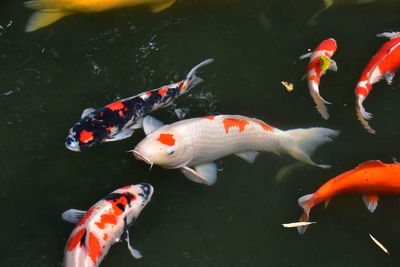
(121, 207)
(83, 239)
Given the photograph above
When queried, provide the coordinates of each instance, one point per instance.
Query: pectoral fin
(161, 6)
(87, 112)
(249, 156)
(204, 173)
(150, 124)
(333, 65)
(43, 18)
(389, 77)
(138, 124)
(371, 201)
(73, 215)
(305, 55)
(123, 134)
(135, 253)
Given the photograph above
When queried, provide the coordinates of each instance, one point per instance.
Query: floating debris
(288, 86)
(379, 244)
(297, 224)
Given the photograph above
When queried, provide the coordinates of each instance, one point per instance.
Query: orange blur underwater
(49, 11)
(369, 178)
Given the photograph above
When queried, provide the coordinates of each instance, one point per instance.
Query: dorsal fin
(371, 163)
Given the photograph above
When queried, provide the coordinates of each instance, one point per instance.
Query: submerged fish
(117, 121)
(320, 62)
(104, 224)
(198, 142)
(328, 3)
(382, 65)
(369, 178)
(49, 11)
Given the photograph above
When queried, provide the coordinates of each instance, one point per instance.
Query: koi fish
(320, 61)
(49, 11)
(369, 178)
(104, 224)
(198, 142)
(328, 3)
(118, 120)
(382, 65)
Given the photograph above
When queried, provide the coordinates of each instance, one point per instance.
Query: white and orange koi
(382, 65)
(198, 142)
(320, 62)
(49, 11)
(104, 224)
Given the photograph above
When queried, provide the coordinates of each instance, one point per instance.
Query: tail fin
(390, 35)
(305, 141)
(306, 202)
(43, 18)
(320, 103)
(363, 116)
(191, 79)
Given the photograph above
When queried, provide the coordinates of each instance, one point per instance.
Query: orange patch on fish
(265, 126)
(116, 106)
(107, 218)
(105, 237)
(149, 93)
(75, 239)
(163, 91)
(314, 78)
(85, 136)
(209, 117)
(94, 248)
(229, 123)
(167, 139)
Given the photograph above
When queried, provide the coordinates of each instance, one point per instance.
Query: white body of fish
(198, 142)
(104, 224)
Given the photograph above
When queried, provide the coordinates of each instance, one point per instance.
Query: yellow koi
(49, 11)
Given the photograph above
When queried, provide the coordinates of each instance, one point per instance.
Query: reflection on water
(49, 76)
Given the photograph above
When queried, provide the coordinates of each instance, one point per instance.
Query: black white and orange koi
(118, 120)
(104, 224)
(320, 62)
(383, 64)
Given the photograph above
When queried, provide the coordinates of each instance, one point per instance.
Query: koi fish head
(329, 45)
(165, 147)
(91, 130)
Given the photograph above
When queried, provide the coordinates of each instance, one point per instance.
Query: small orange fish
(369, 178)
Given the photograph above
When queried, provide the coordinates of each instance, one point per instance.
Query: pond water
(48, 77)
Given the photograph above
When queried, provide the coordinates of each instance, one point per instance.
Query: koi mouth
(138, 156)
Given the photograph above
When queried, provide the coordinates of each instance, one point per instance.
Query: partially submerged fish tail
(319, 102)
(363, 115)
(305, 141)
(390, 35)
(44, 16)
(306, 202)
(191, 79)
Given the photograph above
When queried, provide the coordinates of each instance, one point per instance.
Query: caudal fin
(363, 116)
(303, 142)
(320, 103)
(306, 202)
(43, 18)
(191, 79)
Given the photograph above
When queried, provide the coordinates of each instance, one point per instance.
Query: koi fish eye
(170, 152)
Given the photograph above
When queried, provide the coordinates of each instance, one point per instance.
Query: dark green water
(49, 76)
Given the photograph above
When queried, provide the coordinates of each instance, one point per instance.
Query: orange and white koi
(49, 11)
(382, 65)
(320, 62)
(118, 120)
(198, 142)
(104, 224)
(369, 178)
